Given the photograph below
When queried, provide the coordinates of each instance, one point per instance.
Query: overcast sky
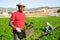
(30, 3)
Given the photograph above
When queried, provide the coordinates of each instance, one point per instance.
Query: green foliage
(5, 29)
(38, 23)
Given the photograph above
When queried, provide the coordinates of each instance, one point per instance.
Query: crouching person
(46, 31)
(17, 22)
(48, 28)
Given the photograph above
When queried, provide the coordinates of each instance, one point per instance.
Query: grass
(38, 23)
(5, 29)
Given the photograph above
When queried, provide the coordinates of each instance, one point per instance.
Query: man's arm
(12, 20)
(12, 25)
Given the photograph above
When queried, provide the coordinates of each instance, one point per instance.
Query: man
(17, 22)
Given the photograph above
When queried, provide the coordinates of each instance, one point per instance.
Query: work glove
(18, 29)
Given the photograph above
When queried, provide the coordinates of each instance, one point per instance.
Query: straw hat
(47, 23)
(21, 4)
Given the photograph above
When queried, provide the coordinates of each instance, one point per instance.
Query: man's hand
(26, 24)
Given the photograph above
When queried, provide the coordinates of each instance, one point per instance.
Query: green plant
(38, 23)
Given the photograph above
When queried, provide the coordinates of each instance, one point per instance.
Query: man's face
(21, 8)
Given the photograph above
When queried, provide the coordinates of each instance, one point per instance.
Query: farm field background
(6, 32)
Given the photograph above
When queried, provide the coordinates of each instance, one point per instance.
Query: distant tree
(9, 12)
(58, 11)
(1, 12)
(30, 12)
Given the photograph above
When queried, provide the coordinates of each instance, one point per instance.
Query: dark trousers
(19, 35)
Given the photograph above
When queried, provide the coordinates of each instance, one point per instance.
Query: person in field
(17, 22)
(48, 28)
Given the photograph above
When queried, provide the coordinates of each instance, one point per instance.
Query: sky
(30, 3)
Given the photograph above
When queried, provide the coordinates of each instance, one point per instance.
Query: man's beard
(20, 10)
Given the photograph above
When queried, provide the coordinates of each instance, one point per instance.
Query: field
(6, 32)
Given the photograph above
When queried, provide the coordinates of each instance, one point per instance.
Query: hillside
(13, 9)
